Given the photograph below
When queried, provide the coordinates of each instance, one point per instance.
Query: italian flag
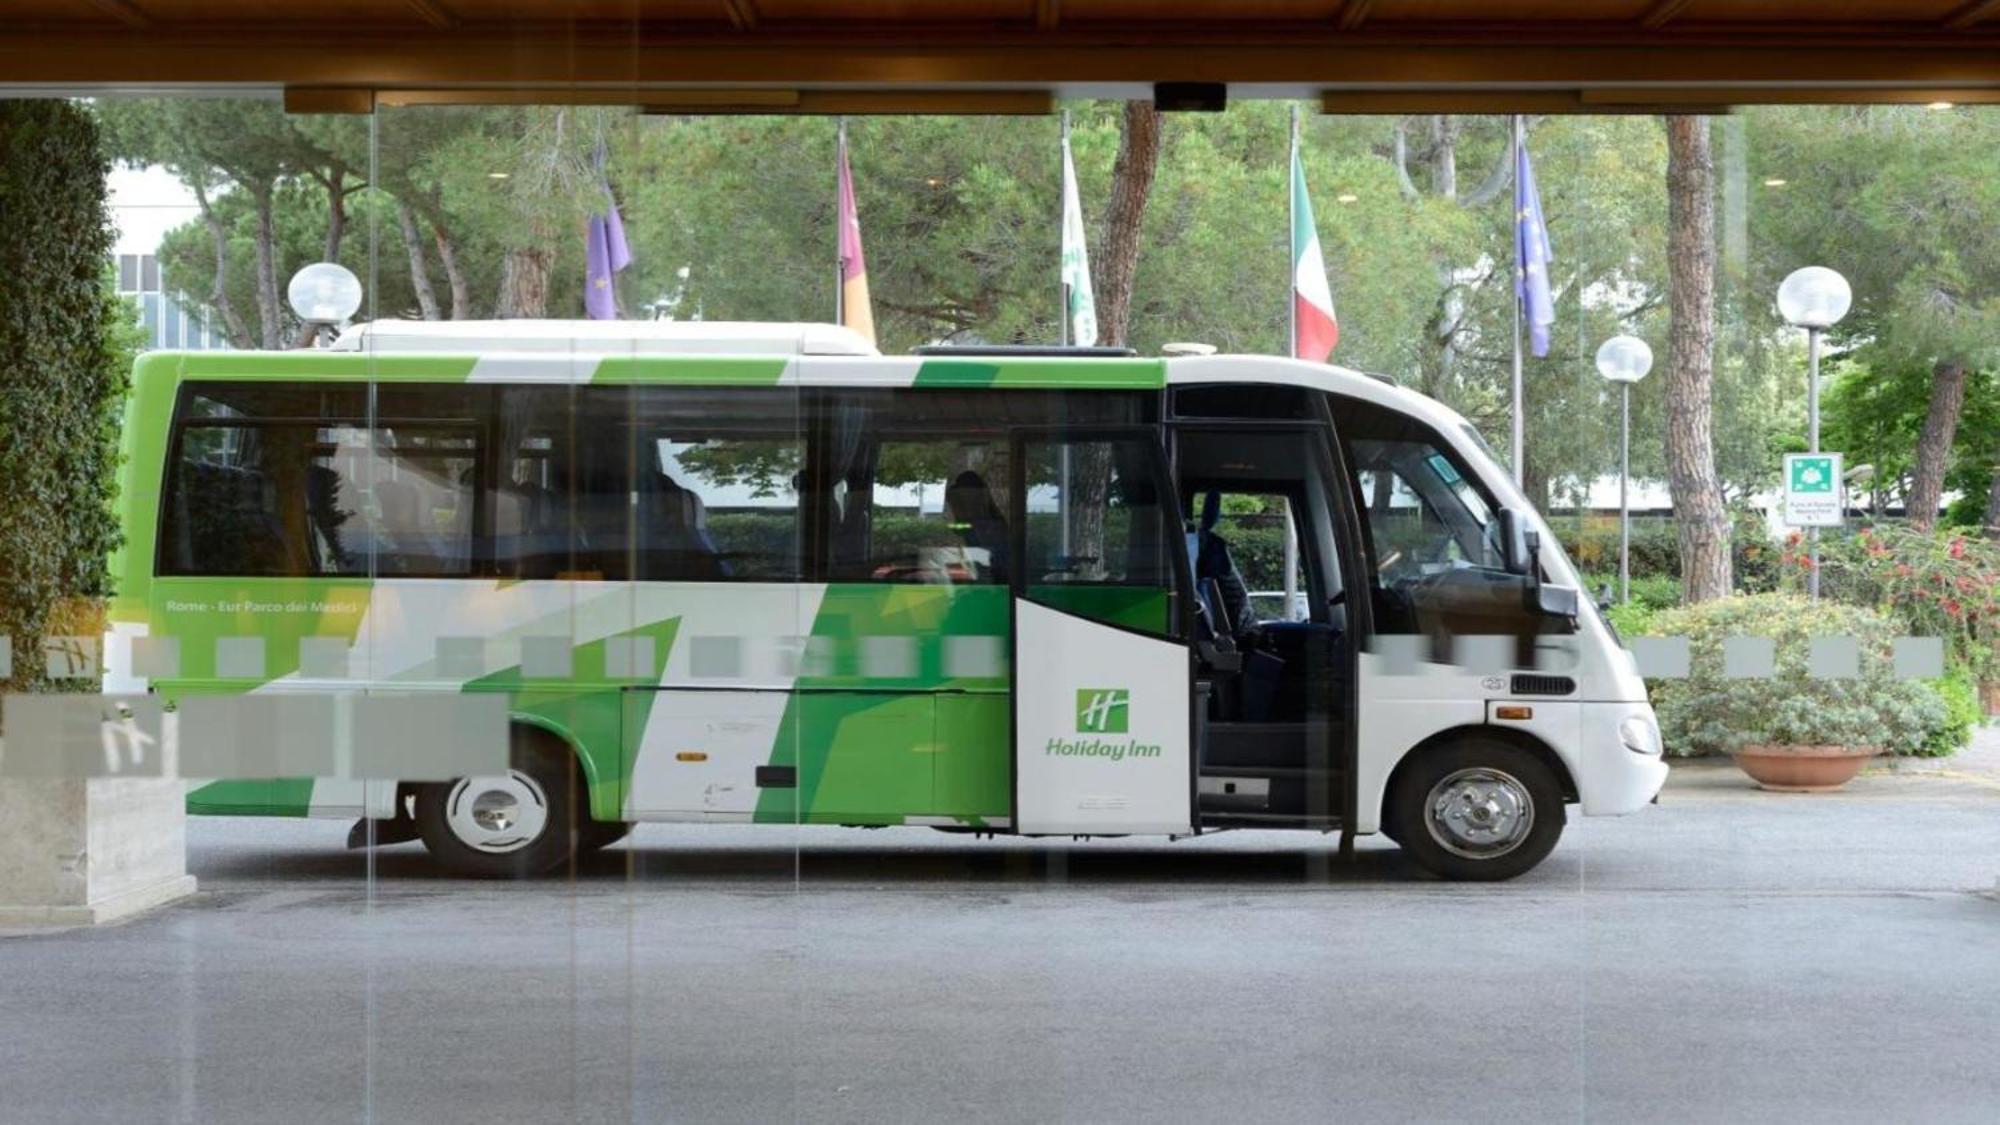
(1314, 329)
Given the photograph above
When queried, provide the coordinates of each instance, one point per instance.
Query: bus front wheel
(513, 825)
(1478, 810)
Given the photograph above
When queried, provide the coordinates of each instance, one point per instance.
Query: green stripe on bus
(142, 447)
(1093, 374)
(727, 371)
(589, 710)
(290, 796)
(872, 750)
(307, 362)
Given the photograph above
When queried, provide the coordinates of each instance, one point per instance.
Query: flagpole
(841, 261)
(1062, 197)
(1291, 554)
(1291, 252)
(1062, 289)
(1514, 147)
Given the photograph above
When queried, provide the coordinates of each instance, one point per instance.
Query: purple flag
(1533, 255)
(604, 254)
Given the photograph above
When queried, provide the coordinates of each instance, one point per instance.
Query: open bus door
(1104, 721)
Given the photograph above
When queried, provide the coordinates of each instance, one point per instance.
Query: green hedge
(1592, 544)
(60, 323)
(1708, 713)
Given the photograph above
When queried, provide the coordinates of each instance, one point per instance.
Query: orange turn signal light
(1513, 712)
(691, 756)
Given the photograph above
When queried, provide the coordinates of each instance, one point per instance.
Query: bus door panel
(1102, 670)
(1102, 717)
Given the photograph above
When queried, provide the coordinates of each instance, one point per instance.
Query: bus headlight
(1640, 735)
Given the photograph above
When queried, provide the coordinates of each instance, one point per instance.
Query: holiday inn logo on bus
(1103, 710)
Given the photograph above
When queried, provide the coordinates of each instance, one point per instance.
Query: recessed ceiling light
(1346, 197)
(1775, 182)
(1938, 105)
(497, 175)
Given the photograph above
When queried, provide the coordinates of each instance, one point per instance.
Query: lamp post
(1624, 360)
(1813, 298)
(323, 295)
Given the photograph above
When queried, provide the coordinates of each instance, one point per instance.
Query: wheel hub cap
(497, 814)
(1480, 813)
(496, 810)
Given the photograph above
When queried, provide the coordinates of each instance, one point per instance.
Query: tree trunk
(1535, 482)
(1992, 519)
(420, 270)
(1444, 156)
(232, 321)
(336, 215)
(1131, 189)
(524, 275)
(1699, 516)
(1116, 265)
(269, 312)
(524, 284)
(454, 272)
(1934, 446)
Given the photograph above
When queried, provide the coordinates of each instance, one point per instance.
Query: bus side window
(1095, 515)
(933, 512)
(266, 481)
(715, 484)
(533, 483)
(1426, 515)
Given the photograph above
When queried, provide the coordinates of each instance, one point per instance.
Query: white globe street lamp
(1624, 360)
(324, 294)
(1813, 298)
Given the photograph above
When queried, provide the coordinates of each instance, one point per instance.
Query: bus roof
(603, 337)
(734, 353)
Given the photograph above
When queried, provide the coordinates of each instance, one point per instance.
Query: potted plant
(1791, 730)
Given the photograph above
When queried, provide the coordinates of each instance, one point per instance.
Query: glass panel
(934, 514)
(756, 618)
(1096, 531)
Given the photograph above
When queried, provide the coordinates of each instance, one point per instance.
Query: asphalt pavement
(1728, 955)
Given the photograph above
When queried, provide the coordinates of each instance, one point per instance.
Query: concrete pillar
(86, 851)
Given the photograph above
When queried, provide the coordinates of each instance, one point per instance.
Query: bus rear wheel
(1477, 810)
(512, 825)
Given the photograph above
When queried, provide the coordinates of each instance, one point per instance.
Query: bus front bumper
(1613, 779)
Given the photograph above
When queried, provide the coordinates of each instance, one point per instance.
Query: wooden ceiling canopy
(805, 56)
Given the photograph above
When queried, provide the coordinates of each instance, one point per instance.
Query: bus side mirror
(1517, 552)
(1554, 601)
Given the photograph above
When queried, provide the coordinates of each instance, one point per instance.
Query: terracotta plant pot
(1803, 769)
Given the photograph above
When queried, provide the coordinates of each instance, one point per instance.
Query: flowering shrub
(1708, 714)
(1941, 584)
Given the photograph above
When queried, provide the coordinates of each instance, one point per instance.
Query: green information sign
(1812, 490)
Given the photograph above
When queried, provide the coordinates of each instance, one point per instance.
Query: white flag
(1082, 305)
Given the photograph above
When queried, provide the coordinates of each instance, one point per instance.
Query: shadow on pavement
(1021, 864)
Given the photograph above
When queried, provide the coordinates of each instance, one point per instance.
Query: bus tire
(596, 835)
(1476, 809)
(514, 826)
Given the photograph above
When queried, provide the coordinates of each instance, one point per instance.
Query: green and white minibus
(756, 573)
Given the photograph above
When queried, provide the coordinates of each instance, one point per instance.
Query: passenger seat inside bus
(1226, 601)
(677, 544)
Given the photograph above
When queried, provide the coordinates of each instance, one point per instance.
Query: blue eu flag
(1532, 255)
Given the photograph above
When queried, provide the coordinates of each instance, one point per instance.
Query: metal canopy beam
(1048, 45)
